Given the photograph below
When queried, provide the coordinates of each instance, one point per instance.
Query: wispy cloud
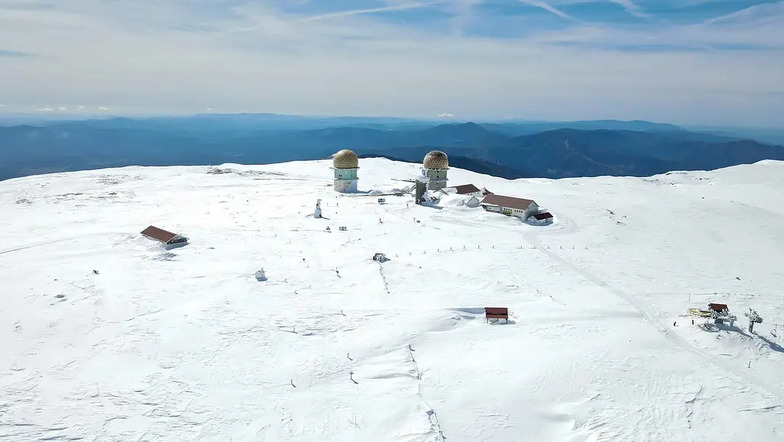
(665, 47)
(760, 13)
(631, 8)
(463, 15)
(445, 115)
(351, 12)
(547, 7)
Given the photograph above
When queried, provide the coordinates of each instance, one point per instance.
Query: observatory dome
(345, 159)
(436, 160)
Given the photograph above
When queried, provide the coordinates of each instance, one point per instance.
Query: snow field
(185, 344)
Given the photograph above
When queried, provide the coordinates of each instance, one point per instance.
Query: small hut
(464, 189)
(542, 218)
(169, 239)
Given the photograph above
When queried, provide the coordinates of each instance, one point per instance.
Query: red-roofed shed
(168, 238)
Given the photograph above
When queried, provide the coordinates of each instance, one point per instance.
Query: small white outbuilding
(473, 202)
(541, 219)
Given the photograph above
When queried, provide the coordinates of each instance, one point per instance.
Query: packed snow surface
(106, 335)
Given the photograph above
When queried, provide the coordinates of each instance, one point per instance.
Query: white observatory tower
(345, 163)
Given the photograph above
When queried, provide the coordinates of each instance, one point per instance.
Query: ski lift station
(754, 318)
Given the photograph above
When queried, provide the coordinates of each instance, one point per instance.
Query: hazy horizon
(52, 116)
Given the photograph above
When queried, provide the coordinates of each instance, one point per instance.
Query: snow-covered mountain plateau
(108, 335)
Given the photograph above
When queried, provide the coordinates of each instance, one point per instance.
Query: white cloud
(759, 14)
(2, 106)
(62, 108)
(547, 7)
(103, 108)
(45, 109)
(445, 115)
(253, 58)
(463, 15)
(630, 7)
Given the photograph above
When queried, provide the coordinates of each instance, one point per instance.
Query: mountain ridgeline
(509, 150)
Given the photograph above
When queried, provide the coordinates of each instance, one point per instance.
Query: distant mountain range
(509, 150)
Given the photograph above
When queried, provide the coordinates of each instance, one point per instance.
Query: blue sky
(687, 61)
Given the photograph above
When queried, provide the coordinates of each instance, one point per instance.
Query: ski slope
(186, 344)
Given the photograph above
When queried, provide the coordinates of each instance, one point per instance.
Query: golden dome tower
(345, 163)
(435, 166)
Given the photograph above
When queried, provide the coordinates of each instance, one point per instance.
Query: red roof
(545, 215)
(159, 234)
(466, 188)
(507, 201)
(718, 307)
